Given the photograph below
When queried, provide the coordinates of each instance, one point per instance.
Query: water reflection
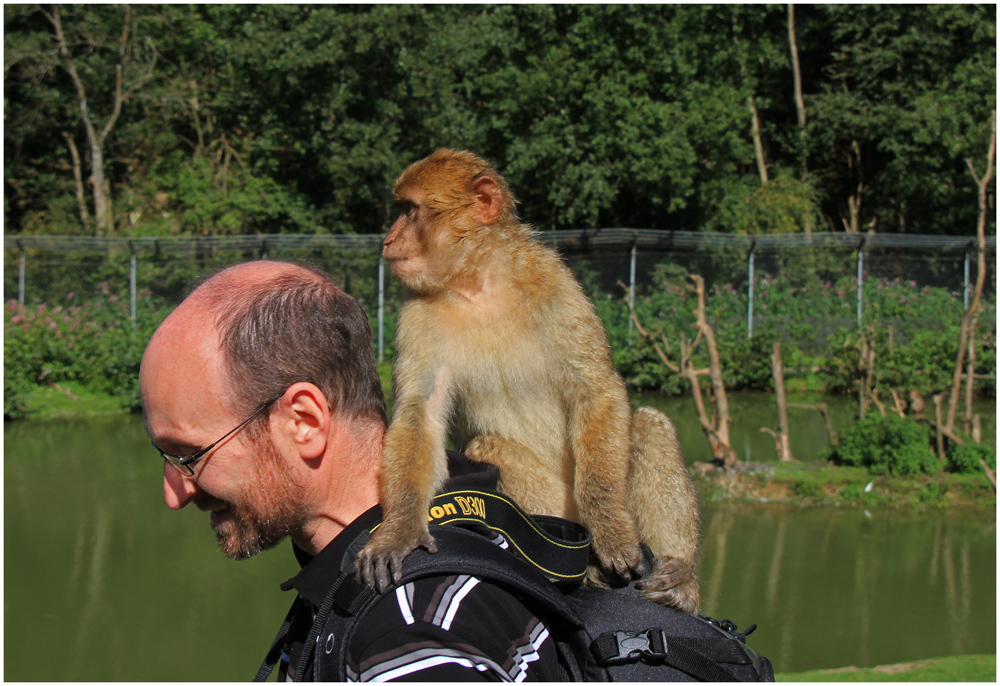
(103, 582)
(831, 588)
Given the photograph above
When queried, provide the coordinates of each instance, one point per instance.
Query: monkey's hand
(383, 556)
(623, 562)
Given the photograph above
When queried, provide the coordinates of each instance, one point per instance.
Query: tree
(132, 69)
(893, 118)
(971, 315)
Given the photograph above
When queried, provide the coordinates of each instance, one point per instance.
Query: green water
(103, 583)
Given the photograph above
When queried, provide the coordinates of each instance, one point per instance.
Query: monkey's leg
(537, 485)
(600, 443)
(414, 465)
(665, 505)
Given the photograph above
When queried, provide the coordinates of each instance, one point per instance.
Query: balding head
(273, 324)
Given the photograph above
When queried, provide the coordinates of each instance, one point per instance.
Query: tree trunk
(966, 331)
(938, 433)
(81, 195)
(800, 105)
(716, 428)
(99, 188)
(778, 372)
(758, 145)
(970, 374)
(853, 221)
(722, 419)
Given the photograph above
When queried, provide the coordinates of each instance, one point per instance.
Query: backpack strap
(458, 549)
(553, 547)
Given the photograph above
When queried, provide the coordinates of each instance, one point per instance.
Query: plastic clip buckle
(637, 645)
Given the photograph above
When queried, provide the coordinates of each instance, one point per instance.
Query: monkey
(499, 343)
(917, 403)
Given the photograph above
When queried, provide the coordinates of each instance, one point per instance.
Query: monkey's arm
(414, 466)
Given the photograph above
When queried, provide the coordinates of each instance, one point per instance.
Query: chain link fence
(803, 288)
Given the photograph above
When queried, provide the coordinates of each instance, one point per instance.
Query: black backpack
(609, 634)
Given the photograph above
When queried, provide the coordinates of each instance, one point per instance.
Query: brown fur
(500, 343)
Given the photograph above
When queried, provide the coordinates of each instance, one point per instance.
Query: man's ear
(305, 418)
(488, 199)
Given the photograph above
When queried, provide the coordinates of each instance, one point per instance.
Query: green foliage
(87, 340)
(193, 196)
(887, 445)
(784, 205)
(746, 362)
(915, 339)
(295, 117)
(964, 459)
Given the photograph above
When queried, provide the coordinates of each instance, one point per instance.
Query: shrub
(88, 340)
(964, 459)
(887, 445)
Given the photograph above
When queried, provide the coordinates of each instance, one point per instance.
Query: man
(277, 360)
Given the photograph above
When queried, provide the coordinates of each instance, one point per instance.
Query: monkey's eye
(405, 207)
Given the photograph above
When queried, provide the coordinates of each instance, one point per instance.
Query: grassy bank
(69, 400)
(958, 668)
(821, 484)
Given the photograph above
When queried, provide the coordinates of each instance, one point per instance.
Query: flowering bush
(90, 340)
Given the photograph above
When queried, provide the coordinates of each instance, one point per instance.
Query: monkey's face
(448, 204)
(417, 249)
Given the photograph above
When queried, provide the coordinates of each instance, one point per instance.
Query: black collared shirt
(444, 628)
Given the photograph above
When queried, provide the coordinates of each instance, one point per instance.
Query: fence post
(131, 283)
(861, 278)
(381, 306)
(631, 285)
(750, 293)
(21, 268)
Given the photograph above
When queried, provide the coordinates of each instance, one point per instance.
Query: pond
(104, 583)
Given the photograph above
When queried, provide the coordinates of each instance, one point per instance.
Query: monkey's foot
(674, 584)
(380, 562)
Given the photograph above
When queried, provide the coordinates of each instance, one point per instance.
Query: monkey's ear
(488, 198)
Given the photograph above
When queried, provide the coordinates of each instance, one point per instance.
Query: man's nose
(178, 489)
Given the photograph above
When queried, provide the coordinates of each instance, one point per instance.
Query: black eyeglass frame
(183, 464)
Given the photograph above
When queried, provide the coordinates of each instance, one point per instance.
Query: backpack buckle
(623, 647)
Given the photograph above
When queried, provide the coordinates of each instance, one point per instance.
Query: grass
(70, 400)
(958, 668)
(805, 484)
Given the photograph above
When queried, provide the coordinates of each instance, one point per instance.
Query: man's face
(265, 511)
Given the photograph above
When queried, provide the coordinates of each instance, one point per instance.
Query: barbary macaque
(499, 344)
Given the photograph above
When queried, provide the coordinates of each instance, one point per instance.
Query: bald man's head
(274, 324)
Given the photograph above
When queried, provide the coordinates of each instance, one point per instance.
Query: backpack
(601, 634)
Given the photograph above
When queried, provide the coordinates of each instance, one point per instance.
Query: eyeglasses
(183, 464)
